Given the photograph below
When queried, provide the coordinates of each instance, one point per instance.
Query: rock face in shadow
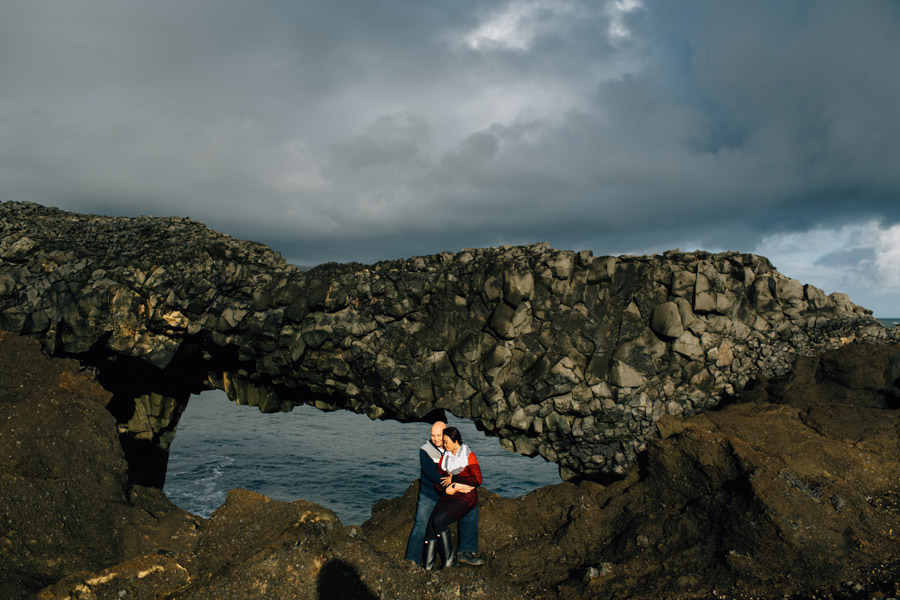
(64, 502)
(760, 499)
(563, 354)
(856, 375)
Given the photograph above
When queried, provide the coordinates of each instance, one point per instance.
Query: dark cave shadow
(338, 580)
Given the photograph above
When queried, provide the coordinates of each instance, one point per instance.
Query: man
(429, 456)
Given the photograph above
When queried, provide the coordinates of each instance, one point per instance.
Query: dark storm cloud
(368, 130)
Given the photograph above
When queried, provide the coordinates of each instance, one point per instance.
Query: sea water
(341, 460)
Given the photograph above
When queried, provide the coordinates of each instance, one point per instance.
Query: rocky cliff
(794, 492)
(563, 354)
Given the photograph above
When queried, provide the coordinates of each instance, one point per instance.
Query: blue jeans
(468, 529)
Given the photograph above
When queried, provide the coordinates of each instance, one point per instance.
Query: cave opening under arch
(339, 459)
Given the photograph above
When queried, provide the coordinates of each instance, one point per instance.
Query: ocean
(340, 459)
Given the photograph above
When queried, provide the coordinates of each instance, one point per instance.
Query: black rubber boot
(429, 554)
(445, 547)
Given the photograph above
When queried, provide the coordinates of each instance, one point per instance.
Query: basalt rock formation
(559, 353)
(786, 494)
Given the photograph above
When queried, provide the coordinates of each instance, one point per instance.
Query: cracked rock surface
(560, 354)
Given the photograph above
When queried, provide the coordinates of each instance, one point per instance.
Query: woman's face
(450, 444)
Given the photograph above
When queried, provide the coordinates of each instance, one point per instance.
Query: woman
(460, 476)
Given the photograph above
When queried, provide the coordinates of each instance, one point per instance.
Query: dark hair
(453, 434)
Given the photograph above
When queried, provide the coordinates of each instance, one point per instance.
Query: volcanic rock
(64, 502)
(757, 500)
(558, 353)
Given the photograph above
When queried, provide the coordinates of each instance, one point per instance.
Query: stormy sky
(374, 129)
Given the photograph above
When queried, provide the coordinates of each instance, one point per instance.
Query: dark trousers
(468, 529)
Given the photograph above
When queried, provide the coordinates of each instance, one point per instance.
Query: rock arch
(559, 353)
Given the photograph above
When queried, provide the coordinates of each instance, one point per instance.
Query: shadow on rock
(340, 581)
(65, 505)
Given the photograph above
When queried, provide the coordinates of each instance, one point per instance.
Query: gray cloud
(848, 257)
(364, 130)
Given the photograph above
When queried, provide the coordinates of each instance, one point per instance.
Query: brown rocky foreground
(794, 492)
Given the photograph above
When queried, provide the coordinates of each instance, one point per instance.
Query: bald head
(437, 433)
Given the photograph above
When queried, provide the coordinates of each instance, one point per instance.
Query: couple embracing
(449, 477)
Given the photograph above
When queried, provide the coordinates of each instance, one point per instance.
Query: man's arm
(429, 467)
(458, 487)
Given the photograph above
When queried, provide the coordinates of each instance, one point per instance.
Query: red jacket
(471, 475)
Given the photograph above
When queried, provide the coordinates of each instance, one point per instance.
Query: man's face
(437, 435)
